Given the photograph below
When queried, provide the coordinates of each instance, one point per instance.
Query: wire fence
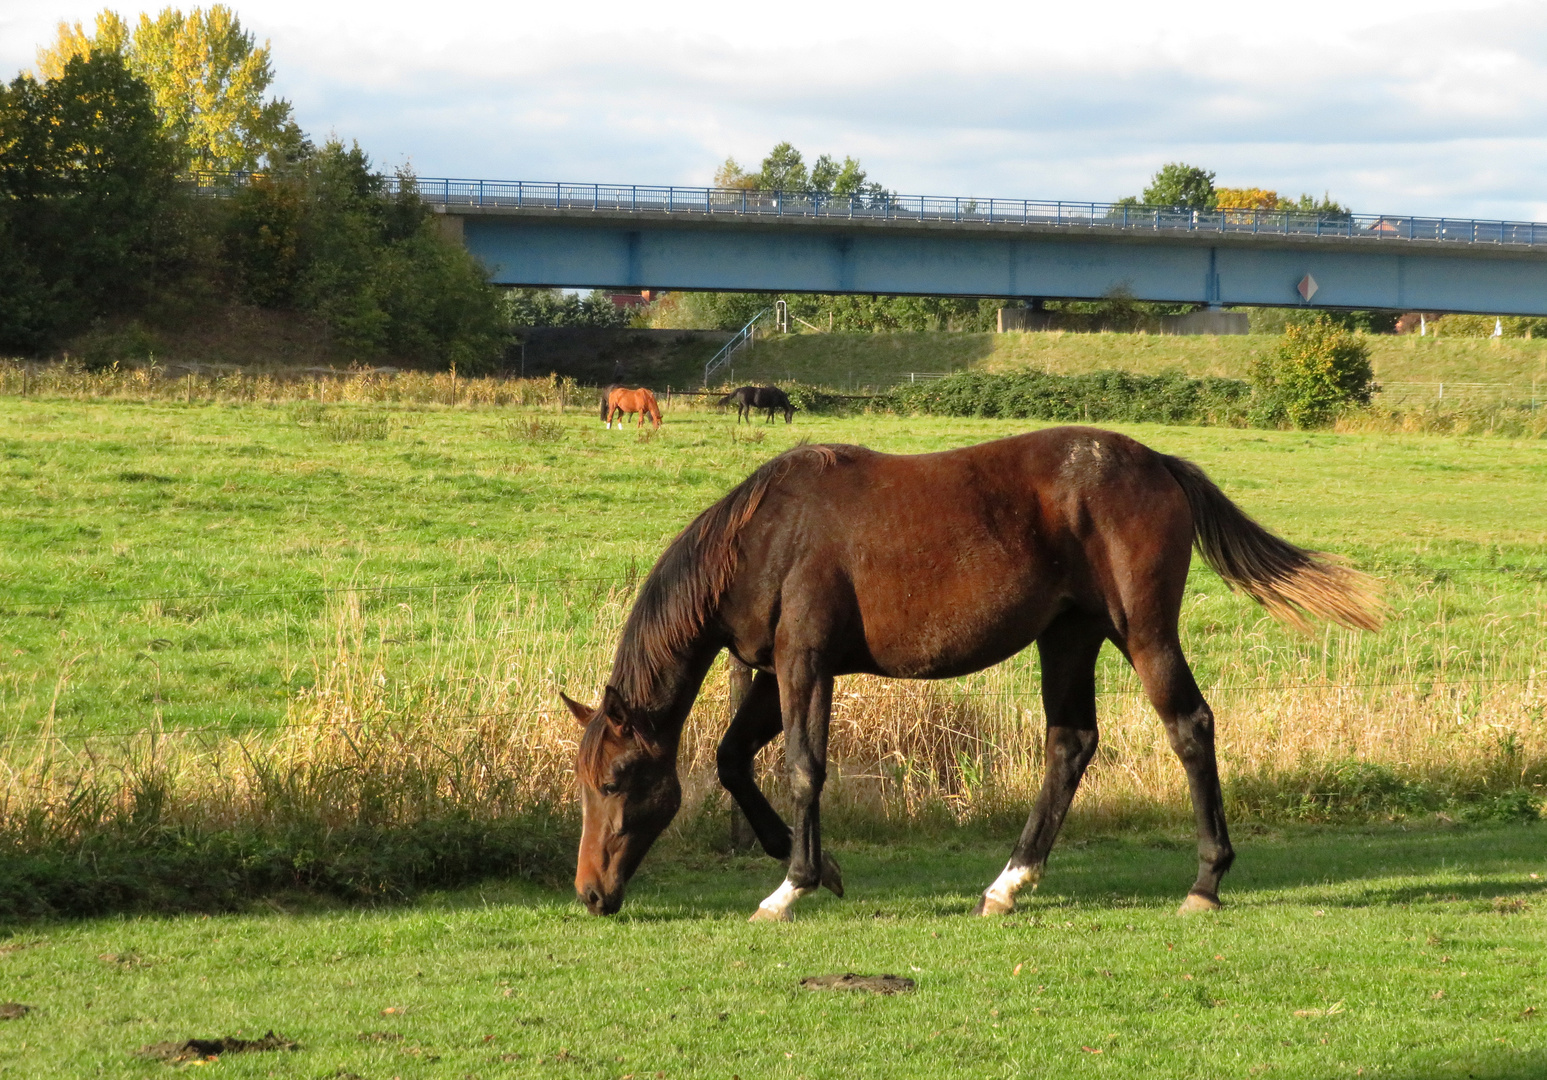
(628, 581)
(442, 720)
(1440, 393)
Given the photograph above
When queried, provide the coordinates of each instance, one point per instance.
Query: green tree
(86, 184)
(830, 178)
(324, 235)
(553, 307)
(209, 77)
(1180, 185)
(1319, 368)
(784, 170)
(1326, 206)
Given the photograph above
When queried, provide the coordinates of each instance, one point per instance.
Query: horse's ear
(580, 712)
(616, 712)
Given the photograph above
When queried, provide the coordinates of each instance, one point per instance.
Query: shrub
(1320, 368)
(1097, 397)
(1482, 326)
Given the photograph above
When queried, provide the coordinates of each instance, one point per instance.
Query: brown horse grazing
(830, 560)
(618, 402)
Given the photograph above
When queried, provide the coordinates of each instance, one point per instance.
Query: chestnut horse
(831, 560)
(619, 401)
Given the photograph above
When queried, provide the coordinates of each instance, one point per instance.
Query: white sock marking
(1009, 882)
(781, 898)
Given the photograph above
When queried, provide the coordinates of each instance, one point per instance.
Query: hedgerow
(1101, 396)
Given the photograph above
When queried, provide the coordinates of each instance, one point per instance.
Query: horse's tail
(1291, 582)
(607, 400)
(729, 398)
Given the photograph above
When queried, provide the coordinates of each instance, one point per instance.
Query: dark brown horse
(831, 560)
(748, 399)
(619, 401)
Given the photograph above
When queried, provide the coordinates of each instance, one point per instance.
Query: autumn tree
(1245, 199)
(209, 78)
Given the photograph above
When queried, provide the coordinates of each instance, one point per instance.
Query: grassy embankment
(880, 360)
(359, 615)
(1412, 955)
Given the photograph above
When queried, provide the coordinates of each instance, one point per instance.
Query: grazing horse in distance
(619, 401)
(836, 560)
(748, 398)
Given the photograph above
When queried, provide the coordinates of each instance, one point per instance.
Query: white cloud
(1428, 106)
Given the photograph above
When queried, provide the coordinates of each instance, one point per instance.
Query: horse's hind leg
(1189, 723)
(757, 723)
(1068, 650)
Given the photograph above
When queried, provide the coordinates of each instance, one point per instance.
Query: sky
(1422, 107)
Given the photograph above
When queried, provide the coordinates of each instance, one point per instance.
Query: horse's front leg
(756, 724)
(1068, 649)
(806, 695)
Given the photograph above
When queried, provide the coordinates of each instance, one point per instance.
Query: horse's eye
(610, 789)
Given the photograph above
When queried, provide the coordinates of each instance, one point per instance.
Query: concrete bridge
(626, 236)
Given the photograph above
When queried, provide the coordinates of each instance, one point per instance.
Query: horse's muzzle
(598, 902)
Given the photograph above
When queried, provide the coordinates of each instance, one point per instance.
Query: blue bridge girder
(627, 236)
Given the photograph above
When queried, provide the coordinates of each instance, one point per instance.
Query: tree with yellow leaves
(1245, 199)
(209, 78)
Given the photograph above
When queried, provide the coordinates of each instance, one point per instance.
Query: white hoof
(999, 898)
(777, 907)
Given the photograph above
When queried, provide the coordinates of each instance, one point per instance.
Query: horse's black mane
(684, 588)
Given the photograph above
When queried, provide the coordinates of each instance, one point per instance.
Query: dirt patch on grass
(875, 984)
(177, 1053)
(13, 1010)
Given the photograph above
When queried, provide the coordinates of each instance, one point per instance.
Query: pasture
(358, 615)
(1412, 954)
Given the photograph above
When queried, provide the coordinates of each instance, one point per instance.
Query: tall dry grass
(358, 385)
(477, 732)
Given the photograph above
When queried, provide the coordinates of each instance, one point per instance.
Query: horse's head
(629, 793)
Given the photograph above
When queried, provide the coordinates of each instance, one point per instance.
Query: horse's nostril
(593, 899)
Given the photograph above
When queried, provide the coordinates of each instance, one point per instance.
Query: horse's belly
(937, 634)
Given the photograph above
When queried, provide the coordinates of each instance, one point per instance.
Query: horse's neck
(666, 689)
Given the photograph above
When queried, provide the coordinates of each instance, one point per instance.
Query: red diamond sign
(1306, 288)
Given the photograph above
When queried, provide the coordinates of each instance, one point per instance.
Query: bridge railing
(648, 199)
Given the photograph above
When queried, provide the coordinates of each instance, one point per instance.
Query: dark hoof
(832, 877)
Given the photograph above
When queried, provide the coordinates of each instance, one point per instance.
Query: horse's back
(953, 560)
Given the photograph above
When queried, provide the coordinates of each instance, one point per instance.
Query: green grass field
(391, 574)
(1415, 955)
(174, 565)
